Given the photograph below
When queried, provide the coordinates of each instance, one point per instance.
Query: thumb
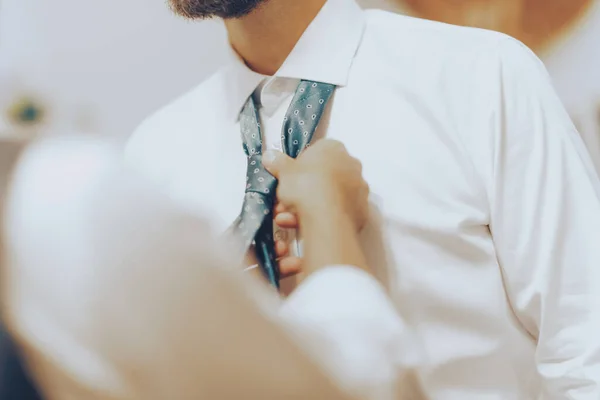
(276, 162)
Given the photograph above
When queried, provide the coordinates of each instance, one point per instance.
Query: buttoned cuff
(345, 301)
(363, 339)
(341, 292)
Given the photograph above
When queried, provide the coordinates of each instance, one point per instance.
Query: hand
(322, 191)
(323, 179)
(288, 265)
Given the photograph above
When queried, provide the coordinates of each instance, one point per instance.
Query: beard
(206, 9)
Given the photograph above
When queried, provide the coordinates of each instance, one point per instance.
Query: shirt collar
(324, 53)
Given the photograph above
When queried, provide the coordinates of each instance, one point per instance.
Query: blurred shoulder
(175, 124)
(53, 170)
(51, 192)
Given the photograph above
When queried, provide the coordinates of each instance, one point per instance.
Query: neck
(499, 15)
(265, 37)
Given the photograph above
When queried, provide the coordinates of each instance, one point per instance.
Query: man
(564, 33)
(487, 207)
(113, 292)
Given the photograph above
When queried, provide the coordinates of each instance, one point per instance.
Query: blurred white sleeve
(117, 292)
(361, 337)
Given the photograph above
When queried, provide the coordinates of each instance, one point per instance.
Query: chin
(207, 9)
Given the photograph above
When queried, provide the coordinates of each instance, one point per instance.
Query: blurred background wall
(104, 65)
(101, 65)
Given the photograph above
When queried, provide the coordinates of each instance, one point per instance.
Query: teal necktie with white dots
(255, 223)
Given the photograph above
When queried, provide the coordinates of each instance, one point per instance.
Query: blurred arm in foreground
(115, 293)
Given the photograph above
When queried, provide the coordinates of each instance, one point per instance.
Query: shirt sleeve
(358, 332)
(545, 220)
(137, 299)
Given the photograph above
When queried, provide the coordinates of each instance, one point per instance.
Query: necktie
(255, 223)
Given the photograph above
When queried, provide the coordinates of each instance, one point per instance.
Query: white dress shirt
(116, 293)
(573, 62)
(486, 217)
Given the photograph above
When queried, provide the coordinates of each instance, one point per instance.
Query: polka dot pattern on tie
(304, 114)
(255, 223)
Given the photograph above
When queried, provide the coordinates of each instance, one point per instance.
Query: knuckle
(300, 179)
(339, 146)
(359, 165)
(332, 144)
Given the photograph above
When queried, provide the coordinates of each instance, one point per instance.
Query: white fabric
(118, 294)
(486, 217)
(573, 61)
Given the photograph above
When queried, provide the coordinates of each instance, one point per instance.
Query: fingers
(282, 249)
(280, 208)
(327, 144)
(287, 220)
(290, 266)
(276, 162)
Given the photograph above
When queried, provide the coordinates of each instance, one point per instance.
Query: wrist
(324, 203)
(321, 220)
(330, 238)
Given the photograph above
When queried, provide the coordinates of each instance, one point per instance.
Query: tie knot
(258, 179)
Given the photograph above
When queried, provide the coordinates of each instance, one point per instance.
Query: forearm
(330, 238)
